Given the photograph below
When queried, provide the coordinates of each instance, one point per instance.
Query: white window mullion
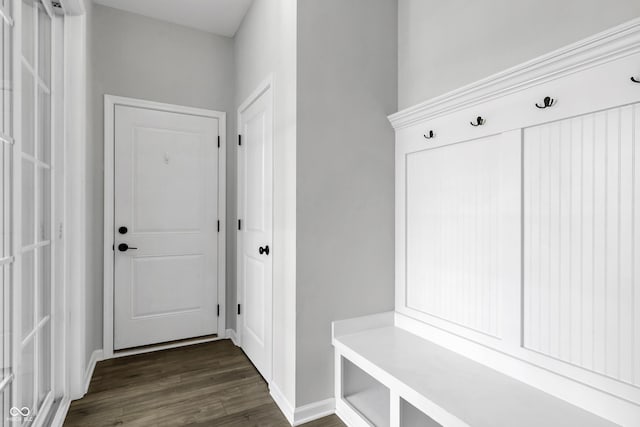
(55, 323)
(36, 163)
(37, 252)
(5, 16)
(32, 69)
(6, 139)
(33, 335)
(27, 62)
(48, 7)
(16, 244)
(6, 382)
(35, 246)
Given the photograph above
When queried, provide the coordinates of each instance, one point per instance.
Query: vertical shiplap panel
(576, 239)
(545, 238)
(532, 235)
(566, 217)
(636, 245)
(625, 234)
(554, 215)
(581, 197)
(612, 241)
(498, 217)
(435, 275)
(600, 255)
(455, 231)
(586, 189)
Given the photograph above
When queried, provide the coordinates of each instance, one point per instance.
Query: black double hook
(548, 102)
(479, 121)
(633, 79)
(429, 135)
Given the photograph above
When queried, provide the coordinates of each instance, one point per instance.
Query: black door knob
(123, 230)
(264, 250)
(123, 247)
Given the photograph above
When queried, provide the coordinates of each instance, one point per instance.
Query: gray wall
(265, 45)
(140, 57)
(446, 44)
(347, 74)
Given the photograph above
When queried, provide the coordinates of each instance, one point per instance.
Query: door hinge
(239, 139)
(218, 226)
(218, 141)
(218, 310)
(238, 309)
(239, 224)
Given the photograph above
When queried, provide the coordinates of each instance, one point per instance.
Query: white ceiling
(221, 17)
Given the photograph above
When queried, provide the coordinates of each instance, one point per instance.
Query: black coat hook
(429, 135)
(633, 79)
(548, 102)
(479, 121)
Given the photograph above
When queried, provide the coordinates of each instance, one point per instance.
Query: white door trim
(110, 103)
(266, 85)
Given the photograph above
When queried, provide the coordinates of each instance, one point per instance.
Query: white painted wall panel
(581, 214)
(456, 207)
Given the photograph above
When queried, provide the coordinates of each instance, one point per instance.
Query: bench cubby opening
(410, 416)
(365, 395)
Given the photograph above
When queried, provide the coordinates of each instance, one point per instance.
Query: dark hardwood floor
(211, 384)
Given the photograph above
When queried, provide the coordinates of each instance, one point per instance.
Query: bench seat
(450, 388)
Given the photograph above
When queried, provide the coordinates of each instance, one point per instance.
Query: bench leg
(394, 412)
(338, 375)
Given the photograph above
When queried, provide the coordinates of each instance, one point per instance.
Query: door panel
(254, 299)
(154, 280)
(166, 196)
(167, 178)
(255, 210)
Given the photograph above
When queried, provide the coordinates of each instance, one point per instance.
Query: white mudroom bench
(388, 376)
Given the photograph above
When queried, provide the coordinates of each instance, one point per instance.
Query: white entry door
(165, 226)
(255, 235)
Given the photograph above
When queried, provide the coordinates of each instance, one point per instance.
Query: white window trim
(75, 101)
(58, 335)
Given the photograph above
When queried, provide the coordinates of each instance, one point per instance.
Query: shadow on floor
(211, 384)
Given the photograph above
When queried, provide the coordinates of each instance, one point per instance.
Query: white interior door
(255, 235)
(166, 212)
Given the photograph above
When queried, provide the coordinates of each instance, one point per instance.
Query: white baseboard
(302, 414)
(61, 413)
(96, 357)
(231, 334)
(314, 411)
(283, 403)
(347, 415)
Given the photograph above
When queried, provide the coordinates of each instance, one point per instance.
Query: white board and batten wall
(517, 242)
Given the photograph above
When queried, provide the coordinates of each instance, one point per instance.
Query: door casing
(266, 85)
(110, 103)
